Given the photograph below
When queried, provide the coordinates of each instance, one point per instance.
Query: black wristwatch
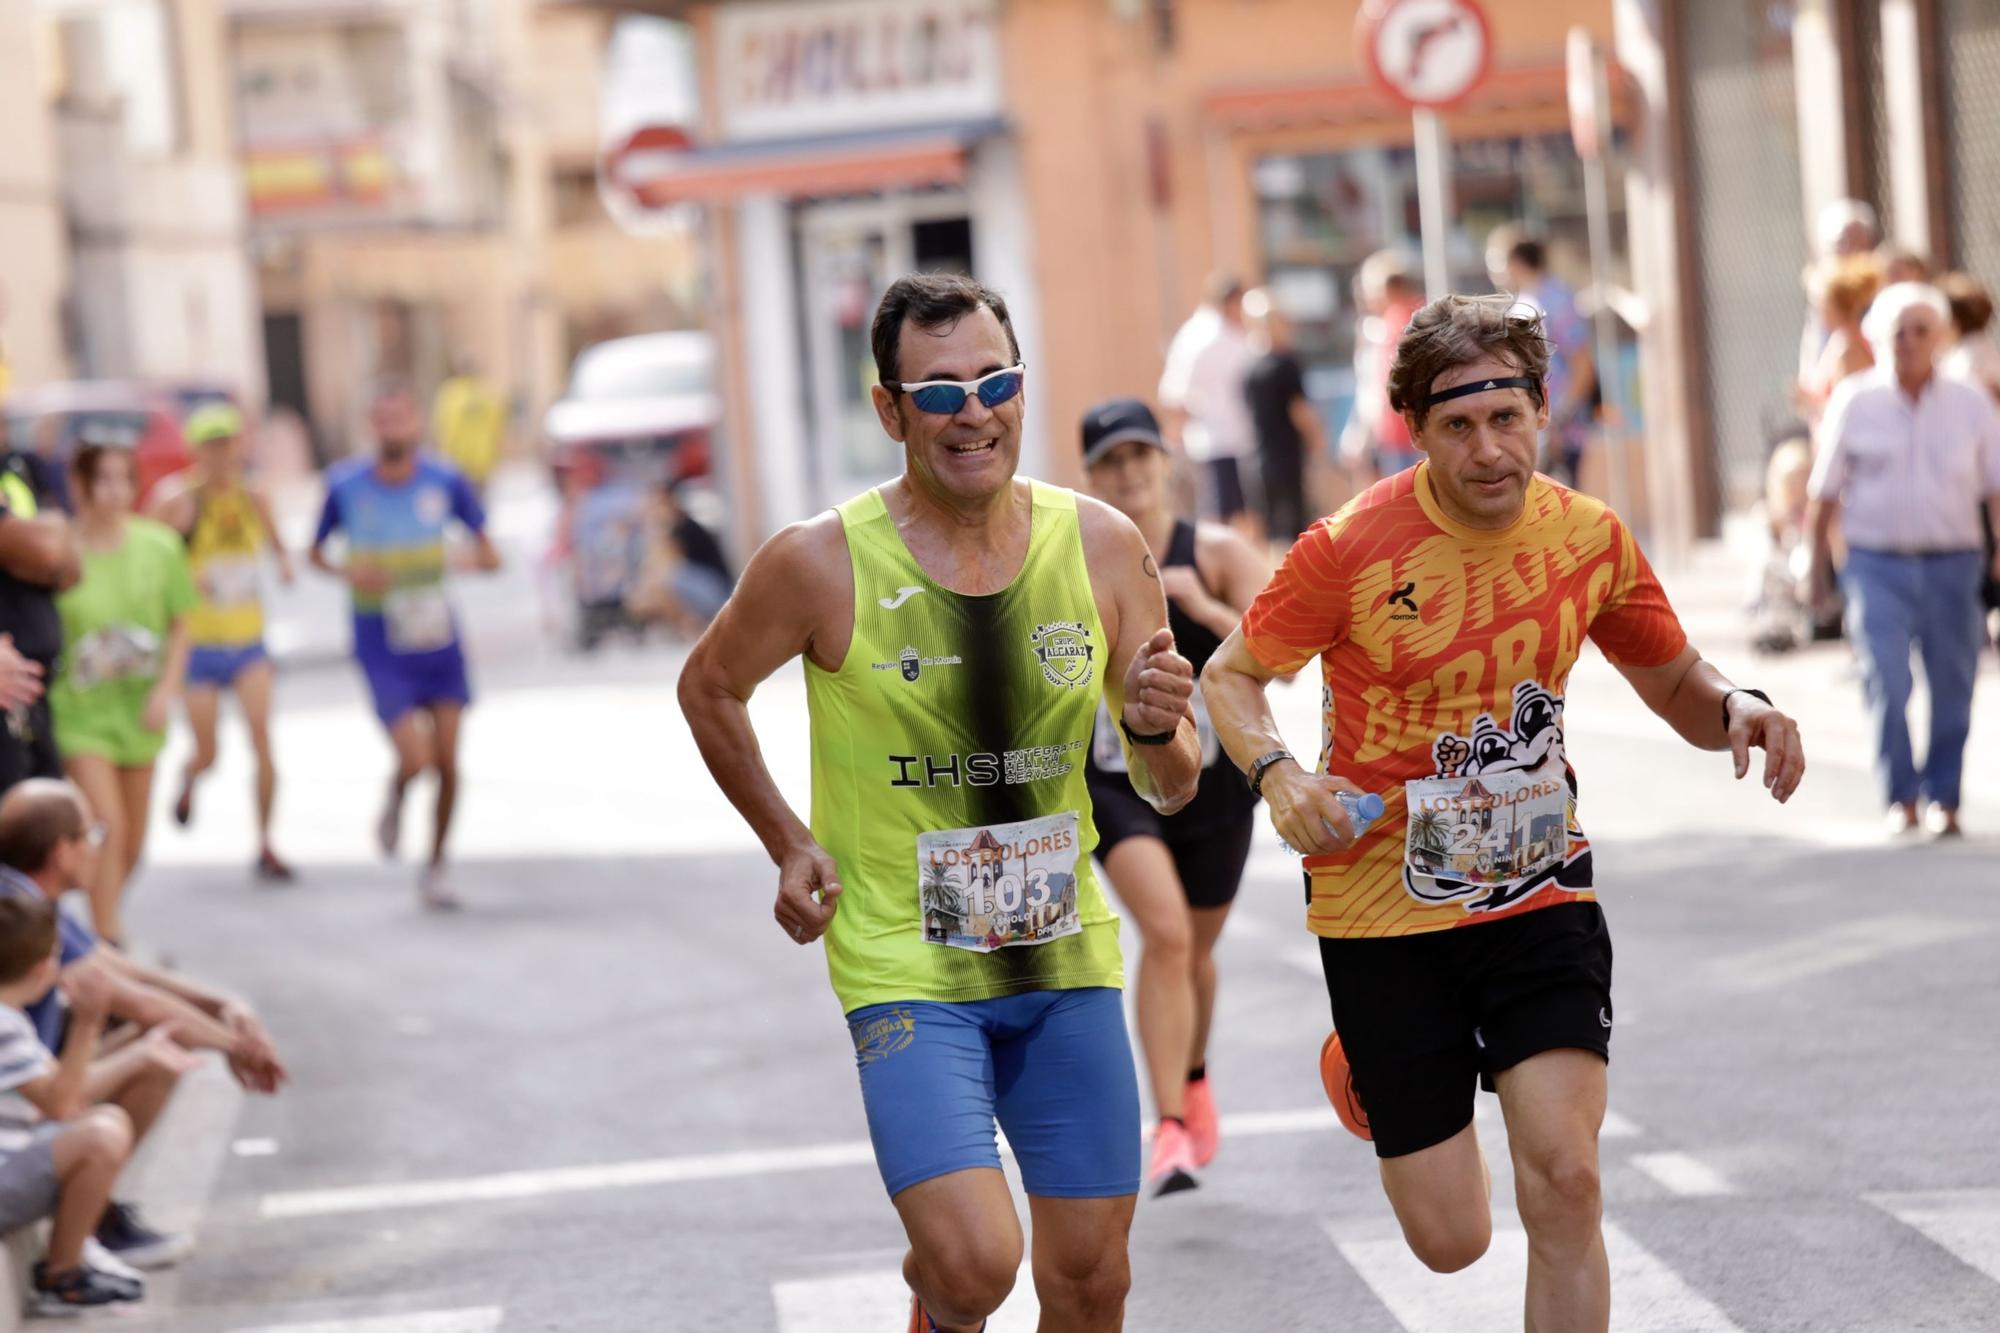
(1156, 738)
(1260, 765)
(1755, 694)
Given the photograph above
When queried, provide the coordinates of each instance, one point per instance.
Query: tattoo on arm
(1152, 570)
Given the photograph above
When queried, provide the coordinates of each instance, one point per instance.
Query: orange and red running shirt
(1444, 652)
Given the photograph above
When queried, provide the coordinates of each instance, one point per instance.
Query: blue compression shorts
(1054, 1067)
(216, 666)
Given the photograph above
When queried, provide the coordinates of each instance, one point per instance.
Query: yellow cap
(212, 421)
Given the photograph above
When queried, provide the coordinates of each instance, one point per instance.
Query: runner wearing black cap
(1176, 874)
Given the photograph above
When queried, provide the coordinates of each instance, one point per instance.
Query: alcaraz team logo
(1065, 650)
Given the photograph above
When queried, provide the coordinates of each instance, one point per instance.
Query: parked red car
(49, 421)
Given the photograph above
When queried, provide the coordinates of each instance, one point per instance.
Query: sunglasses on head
(947, 397)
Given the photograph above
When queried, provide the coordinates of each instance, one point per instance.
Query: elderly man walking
(1906, 457)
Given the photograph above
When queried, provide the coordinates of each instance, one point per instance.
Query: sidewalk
(1839, 804)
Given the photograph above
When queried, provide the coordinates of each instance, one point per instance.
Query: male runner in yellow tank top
(959, 626)
(228, 527)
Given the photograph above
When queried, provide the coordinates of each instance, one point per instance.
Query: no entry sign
(1426, 53)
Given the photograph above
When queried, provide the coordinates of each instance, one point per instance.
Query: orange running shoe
(1203, 1126)
(1173, 1165)
(1339, 1081)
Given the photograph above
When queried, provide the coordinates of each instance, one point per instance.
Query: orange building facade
(1094, 160)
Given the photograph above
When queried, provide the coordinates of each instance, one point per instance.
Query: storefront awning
(1349, 101)
(814, 167)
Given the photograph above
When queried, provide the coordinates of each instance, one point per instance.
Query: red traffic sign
(634, 166)
(1426, 53)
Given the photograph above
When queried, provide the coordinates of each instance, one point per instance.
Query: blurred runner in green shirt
(124, 660)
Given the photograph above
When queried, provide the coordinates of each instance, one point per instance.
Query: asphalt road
(612, 1096)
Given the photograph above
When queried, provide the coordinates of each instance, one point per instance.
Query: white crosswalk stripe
(1682, 1174)
(1964, 1221)
(874, 1301)
(485, 1319)
(1647, 1295)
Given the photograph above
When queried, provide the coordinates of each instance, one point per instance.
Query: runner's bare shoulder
(1121, 568)
(1231, 565)
(1107, 534)
(802, 578)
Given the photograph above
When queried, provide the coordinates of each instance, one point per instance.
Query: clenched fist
(1158, 686)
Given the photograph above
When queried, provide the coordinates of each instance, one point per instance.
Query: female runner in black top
(1177, 874)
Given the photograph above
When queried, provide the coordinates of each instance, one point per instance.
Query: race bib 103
(1005, 884)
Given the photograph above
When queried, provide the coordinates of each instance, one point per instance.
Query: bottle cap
(1369, 807)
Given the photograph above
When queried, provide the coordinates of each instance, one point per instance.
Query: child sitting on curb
(58, 1154)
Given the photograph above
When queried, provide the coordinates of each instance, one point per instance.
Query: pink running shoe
(1204, 1127)
(1173, 1165)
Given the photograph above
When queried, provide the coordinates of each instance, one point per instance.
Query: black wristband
(1260, 766)
(1755, 694)
(1157, 738)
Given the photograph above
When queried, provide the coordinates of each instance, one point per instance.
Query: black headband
(1528, 382)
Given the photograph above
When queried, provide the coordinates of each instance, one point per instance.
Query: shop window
(1746, 214)
(1969, 32)
(1321, 214)
(943, 245)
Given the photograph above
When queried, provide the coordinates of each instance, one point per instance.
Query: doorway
(849, 252)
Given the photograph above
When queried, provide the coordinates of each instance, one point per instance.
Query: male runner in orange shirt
(1459, 933)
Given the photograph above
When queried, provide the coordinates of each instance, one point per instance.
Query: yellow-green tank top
(952, 715)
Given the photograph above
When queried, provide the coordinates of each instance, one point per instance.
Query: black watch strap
(1260, 766)
(1155, 738)
(1755, 694)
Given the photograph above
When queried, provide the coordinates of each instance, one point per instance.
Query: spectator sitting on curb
(48, 840)
(58, 1153)
(684, 578)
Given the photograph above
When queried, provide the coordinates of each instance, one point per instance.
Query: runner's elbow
(701, 691)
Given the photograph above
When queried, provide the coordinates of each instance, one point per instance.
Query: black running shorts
(1209, 857)
(1426, 1019)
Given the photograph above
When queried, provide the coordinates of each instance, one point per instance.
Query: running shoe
(1204, 1127)
(271, 870)
(1941, 823)
(184, 807)
(435, 892)
(1339, 1081)
(1173, 1165)
(123, 1232)
(920, 1321)
(109, 1264)
(79, 1289)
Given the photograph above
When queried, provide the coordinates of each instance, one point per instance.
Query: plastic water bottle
(1362, 810)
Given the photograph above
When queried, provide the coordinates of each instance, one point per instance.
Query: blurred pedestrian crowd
(1882, 500)
(1258, 455)
(120, 602)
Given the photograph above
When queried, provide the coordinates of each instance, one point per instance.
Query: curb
(172, 1176)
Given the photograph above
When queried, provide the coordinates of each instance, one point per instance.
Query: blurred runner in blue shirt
(395, 510)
